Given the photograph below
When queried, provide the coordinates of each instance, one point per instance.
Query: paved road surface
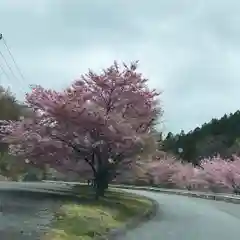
(38, 186)
(184, 218)
(23, 215)
(179, 218)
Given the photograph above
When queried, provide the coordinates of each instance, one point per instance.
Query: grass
(88, 218)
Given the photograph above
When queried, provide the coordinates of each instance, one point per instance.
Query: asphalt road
(37, 186)
(25, 215)
(185, 218)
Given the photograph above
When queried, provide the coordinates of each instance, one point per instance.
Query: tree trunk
(101, 182)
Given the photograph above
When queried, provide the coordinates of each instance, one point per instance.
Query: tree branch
(76, 149)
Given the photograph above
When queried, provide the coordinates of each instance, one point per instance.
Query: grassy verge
(87, 218)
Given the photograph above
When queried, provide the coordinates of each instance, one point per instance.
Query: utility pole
(1, 36)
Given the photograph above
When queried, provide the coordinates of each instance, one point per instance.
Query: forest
(216, 137)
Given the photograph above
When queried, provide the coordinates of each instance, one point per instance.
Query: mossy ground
(88, 218)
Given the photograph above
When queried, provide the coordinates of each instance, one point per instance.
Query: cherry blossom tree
(233, 174)
(166, 171)
(189, 177)
(184, 176)
(214, 174)
(95, 126)
(162, 170)
(222, 175)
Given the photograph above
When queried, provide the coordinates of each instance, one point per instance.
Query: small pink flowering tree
(96, 124)
(166, 171)
(189, 177)
(161, 171)
(222, 175)
(233, 174)
(213, 174)
(184, 176)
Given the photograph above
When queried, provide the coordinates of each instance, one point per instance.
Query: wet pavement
(25, 216)
(186, 218)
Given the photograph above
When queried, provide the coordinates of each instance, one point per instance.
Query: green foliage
(8, 166)
(10, 109)
(219, 136)
(4, 164)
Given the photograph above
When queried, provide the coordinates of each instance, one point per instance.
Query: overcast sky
(189, 49)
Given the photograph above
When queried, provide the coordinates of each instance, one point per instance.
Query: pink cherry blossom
(100, 116)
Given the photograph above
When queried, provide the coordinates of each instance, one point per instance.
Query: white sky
(190, 49)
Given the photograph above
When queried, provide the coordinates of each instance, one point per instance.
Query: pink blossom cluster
(215, 174)
(94, 126)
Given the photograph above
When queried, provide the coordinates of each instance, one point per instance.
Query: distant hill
(219, 136)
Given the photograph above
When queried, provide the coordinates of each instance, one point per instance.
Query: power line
(7, 75)
(8, 49)
(9, 67)
(4, 72)
(7, 64)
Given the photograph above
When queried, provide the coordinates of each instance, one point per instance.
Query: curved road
(179, 217)
(185, 218)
